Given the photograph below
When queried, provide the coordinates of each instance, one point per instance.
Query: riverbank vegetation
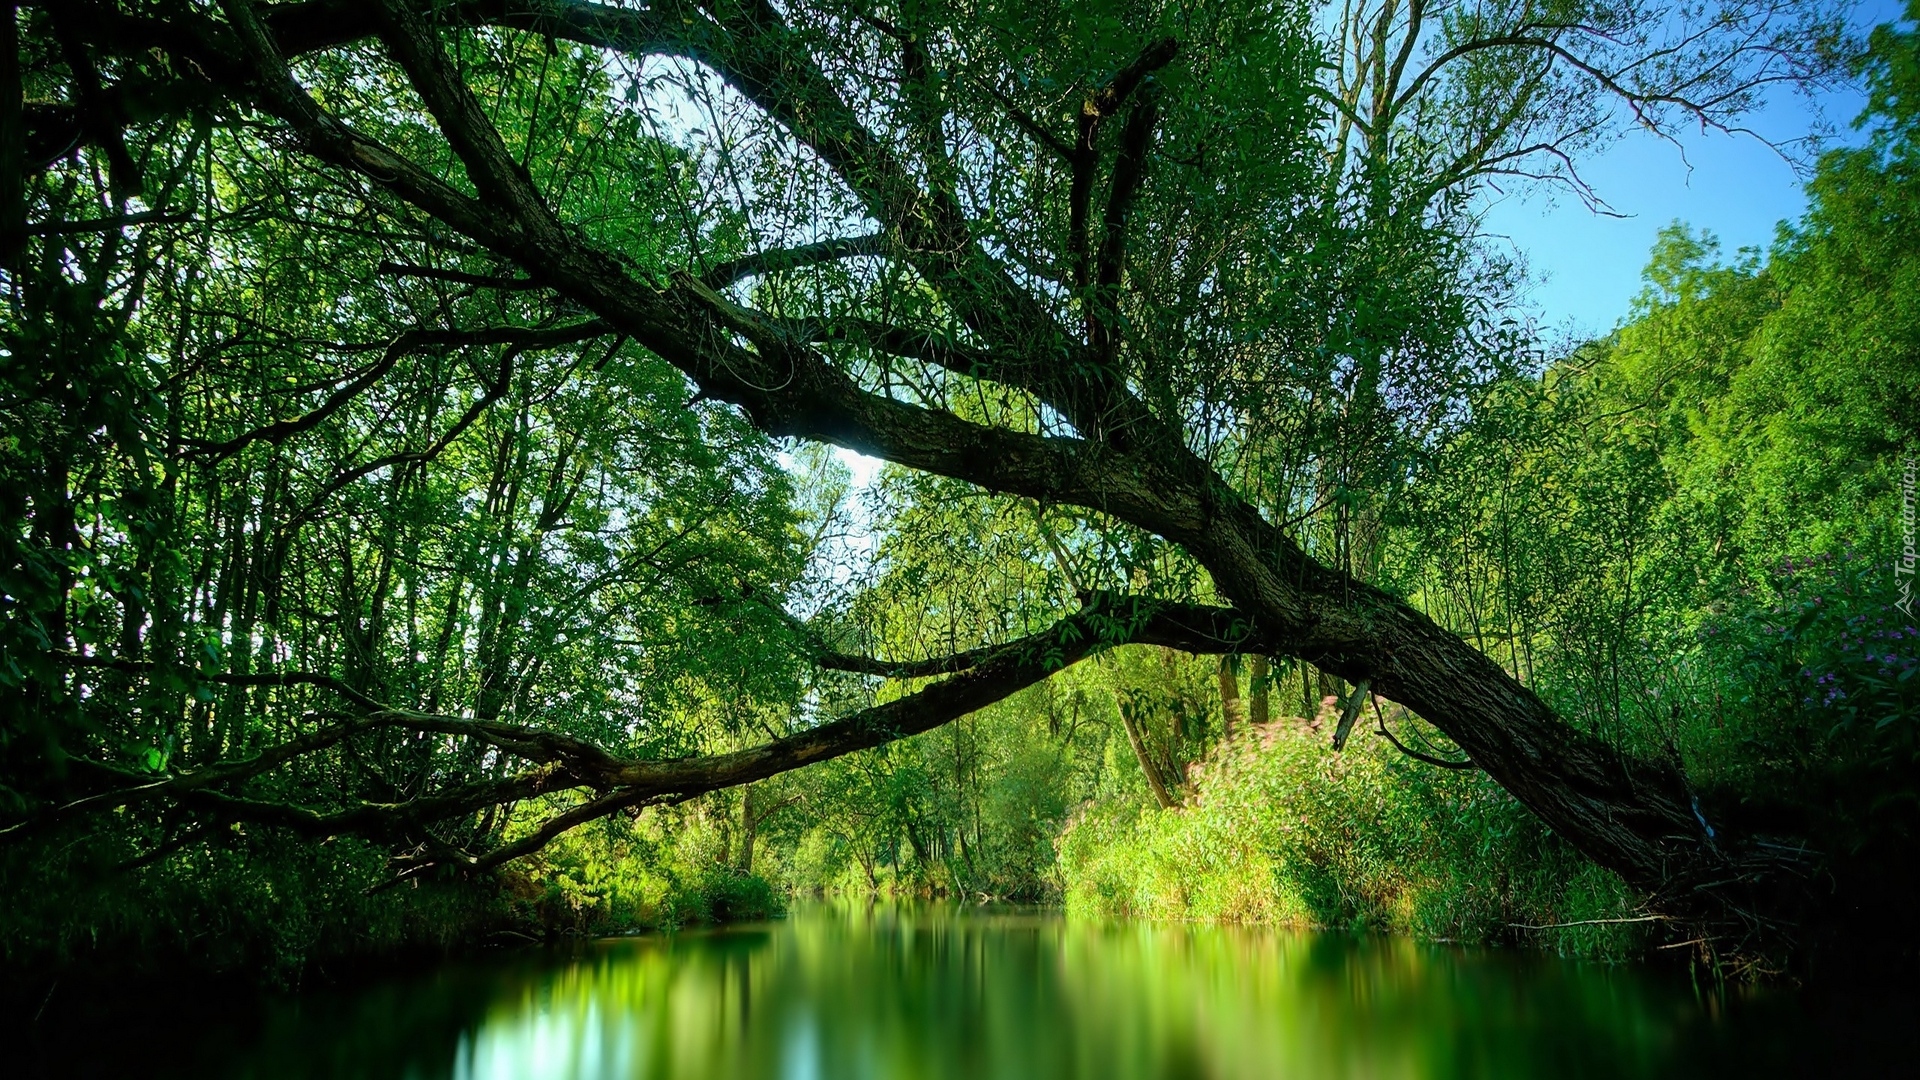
(420, 526)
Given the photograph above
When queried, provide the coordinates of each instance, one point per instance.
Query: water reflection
(934, 993)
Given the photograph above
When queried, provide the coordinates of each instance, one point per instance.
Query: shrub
(1277, 830)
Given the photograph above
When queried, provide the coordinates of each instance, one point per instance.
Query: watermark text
(1903, 567)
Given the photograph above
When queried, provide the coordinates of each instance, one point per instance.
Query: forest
(490, 469)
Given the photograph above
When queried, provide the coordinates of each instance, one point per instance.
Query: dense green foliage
(249, 902)
(259, 455)
(1278, 832)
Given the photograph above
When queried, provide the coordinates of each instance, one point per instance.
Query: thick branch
(1129, 170)
(1099, 105)
(503, 182)
(768, 262)
(564, 762)
(927, 346)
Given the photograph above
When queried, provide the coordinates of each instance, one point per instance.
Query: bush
(1278, 830)
(235, 902)
(274, 909)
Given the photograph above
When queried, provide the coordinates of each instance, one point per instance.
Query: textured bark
(1232, 713)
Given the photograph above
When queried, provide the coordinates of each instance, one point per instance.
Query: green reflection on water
(932, 993)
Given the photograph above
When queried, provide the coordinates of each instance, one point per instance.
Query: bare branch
(411, 341)
(1027, 123)
(1350, 712)
(1443, 763)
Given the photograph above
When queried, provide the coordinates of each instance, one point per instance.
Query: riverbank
(1279, 832)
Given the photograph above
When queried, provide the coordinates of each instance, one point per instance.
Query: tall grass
(1278, 830)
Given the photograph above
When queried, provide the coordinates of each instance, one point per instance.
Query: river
(850, 992)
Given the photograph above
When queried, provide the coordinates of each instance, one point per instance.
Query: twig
(1590, 922)
(1415, 754)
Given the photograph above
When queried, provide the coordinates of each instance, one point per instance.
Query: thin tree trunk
(1260, 691)
(1331, 686)
(749, 827)
(1232, 714)
(1155, 782)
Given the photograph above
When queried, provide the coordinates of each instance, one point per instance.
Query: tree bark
(749, 828)
(1155, 782)
(1232, 715)
(1260, 691)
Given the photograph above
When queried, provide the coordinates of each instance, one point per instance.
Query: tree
(1114, 258)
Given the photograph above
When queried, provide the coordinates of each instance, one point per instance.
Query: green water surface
(928, 993)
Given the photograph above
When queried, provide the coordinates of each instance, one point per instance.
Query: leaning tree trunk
(1162, 795)
(1638, 817)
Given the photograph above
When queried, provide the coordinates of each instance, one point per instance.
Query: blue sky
(1586, 267)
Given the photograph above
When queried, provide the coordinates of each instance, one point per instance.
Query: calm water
(844, 993)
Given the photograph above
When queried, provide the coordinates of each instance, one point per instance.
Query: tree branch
(1025, 122)
(927, 346)
(1412, 753)
(503, 182)
(1129, 170)
(459, 277)
(768, 262)
(407, 342)
(1086, 149)
(1350, 712)
(563, 762)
